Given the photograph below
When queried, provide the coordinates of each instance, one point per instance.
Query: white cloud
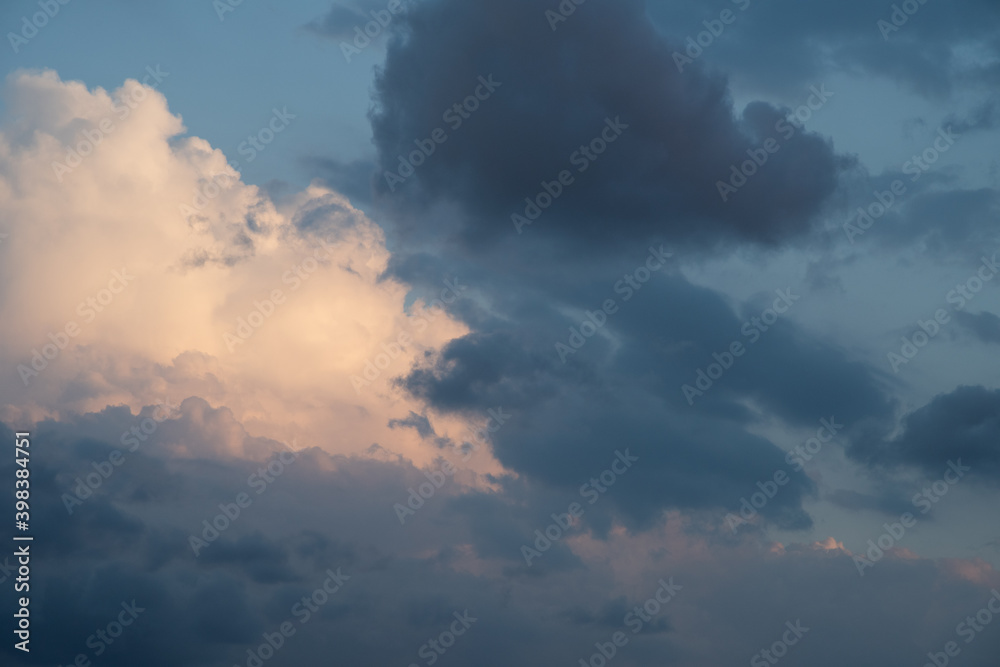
(163, 332)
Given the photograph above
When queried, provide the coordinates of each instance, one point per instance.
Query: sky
(462, 332)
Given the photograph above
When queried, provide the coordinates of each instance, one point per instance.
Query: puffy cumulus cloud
(138, 267)
(963, 425)
(605, 68)
(732, 595)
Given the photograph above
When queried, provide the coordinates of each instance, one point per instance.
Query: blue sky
(258, 57)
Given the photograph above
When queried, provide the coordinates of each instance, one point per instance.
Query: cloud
(624, 388)
(962, 425)
(985, 326)
(971, 212)
(985, 116)
(190, 381)
(418, 422)
(148, 270)
(937, 51)
(890, 502)
(342, 18)
(654, 183)
(328, 512)
(354, 179)
(607, 68)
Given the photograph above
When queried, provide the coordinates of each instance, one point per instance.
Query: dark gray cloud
(655, 183)
(420, 423)
(407, 581)
(658, 178)
(624, 389)
(963, 424)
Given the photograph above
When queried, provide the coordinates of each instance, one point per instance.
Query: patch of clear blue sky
(225, 76)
